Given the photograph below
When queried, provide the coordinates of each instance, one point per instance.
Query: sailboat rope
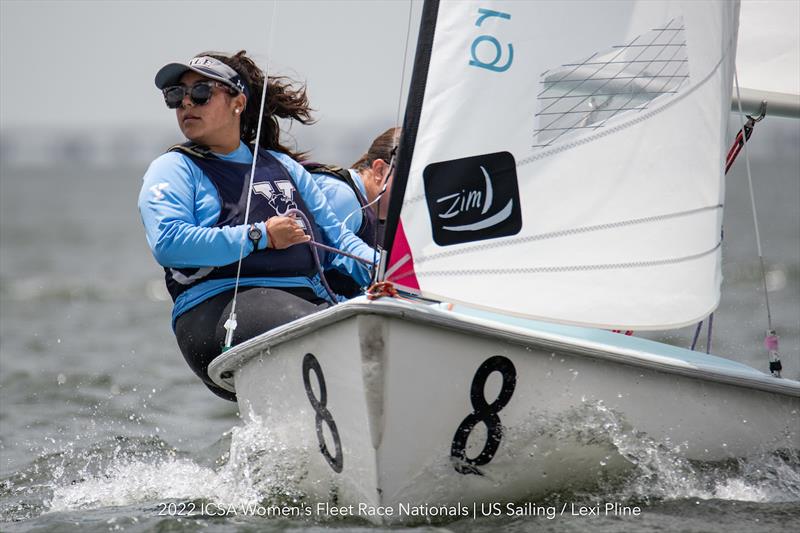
(377, 198)
(771, 339)
(403, 71)
(753, 201)
(376, 272)
(381, 289)
(331, 295)
(741, 137)
(708, 333)
(230, 324)
(696, 335)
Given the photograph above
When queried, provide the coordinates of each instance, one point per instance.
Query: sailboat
(558, 180)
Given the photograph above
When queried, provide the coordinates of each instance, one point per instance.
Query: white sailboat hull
(412, 413)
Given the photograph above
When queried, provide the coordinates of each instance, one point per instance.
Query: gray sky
(89, 65)
(76, 64)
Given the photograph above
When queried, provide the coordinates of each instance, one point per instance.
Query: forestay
(564, 162)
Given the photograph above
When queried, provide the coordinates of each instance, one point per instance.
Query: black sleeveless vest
(369, 222)
(370, 231)
(274, 192)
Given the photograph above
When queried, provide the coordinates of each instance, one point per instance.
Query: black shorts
(200, 331)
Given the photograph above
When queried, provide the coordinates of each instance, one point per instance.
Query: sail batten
(566, 174)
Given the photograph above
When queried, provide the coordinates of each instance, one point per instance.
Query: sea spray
(637, 468)
(257, 468)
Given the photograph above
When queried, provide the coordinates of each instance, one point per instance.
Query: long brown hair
(382, 147)
(286, 99)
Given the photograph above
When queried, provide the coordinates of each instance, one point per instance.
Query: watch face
(255, 234)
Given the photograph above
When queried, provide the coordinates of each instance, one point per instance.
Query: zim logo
(473, 199)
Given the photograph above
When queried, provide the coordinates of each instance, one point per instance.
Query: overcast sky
(82, 64)
(91, 63)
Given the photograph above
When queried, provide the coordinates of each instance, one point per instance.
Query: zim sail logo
(473, 199)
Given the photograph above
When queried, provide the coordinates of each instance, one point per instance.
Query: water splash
(658, 471)
(257, 468)
(255, 465)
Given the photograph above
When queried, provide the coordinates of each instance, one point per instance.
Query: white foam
(257, 468)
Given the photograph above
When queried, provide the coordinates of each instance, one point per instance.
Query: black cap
(207, 66)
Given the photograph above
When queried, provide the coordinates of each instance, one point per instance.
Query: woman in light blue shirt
(194, 200)
(359, 196)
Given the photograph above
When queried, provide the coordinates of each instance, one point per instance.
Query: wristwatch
(254, 234)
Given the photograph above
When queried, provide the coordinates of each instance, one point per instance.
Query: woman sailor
(359, 196)
(193, 206)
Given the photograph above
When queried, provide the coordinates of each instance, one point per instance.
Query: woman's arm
(333, 232)
(178, 205)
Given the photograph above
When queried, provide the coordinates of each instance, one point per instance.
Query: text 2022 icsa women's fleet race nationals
(400, 510)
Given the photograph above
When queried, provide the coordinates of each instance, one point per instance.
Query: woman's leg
(201, 333)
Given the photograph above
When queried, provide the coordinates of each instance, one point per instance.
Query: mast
(408, 138)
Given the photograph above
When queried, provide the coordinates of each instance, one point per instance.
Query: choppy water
(102, 425)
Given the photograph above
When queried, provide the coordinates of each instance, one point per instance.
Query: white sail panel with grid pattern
(567, 163)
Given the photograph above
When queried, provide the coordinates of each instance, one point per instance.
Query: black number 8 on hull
(323, 415)
(484, 412)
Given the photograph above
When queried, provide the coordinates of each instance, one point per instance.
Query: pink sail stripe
(401, 249)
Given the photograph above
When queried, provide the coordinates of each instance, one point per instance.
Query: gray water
(102, 424)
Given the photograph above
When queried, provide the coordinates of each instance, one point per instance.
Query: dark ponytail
(286, 99)
(383, 147)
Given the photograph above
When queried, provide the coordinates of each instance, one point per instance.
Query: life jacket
(274, 192)
(370, 231)
(369, 222)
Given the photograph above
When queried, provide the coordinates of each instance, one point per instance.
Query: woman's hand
(284, 232)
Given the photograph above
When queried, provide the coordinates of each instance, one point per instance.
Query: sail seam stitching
(564, 233)
(570, 268)
(609, 131)
(625, 125)
(642, 70)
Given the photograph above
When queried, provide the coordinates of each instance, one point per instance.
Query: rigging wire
(771, 340)
(753, 200)
(380, 195)
(230, 324)
(383, 256)
(405, 61)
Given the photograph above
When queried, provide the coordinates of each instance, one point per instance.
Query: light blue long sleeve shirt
(179, 205)
(341, 199)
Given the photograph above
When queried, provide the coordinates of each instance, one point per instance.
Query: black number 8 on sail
(323, 415)
(484, 412)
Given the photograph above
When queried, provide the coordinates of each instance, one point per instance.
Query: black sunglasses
(200, 93)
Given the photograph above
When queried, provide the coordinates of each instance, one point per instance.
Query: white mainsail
(566, 163)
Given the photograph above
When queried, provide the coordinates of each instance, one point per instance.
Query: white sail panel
(605, 212)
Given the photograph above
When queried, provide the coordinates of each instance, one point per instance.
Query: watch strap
(254, 228)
